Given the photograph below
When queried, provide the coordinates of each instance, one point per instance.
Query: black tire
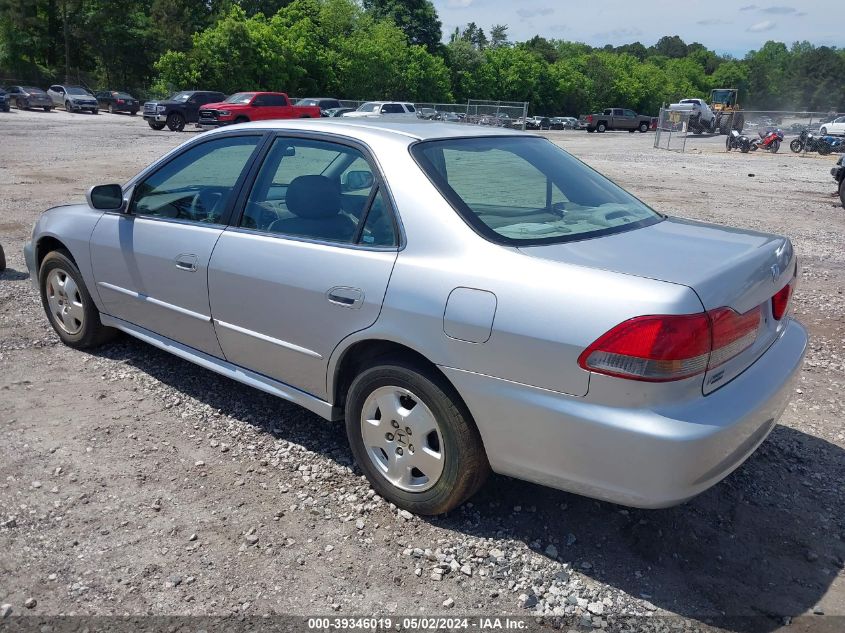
(47, 108)
(601, 127)
(95, 111)
(175, 122)
(728, 145)
(242, 119)
(744, 147)
(465, 466)
(644, 128)
(92, 332)
(591, 130)
(796, 145)
(841, 195)
(775, 146)
(3, 258)
(133, 113)
(68, 107)
(156, 125)
(22, 106)
(824, 148)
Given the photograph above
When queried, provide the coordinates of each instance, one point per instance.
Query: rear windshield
(526, 190)
(77, 91)
(240, 97)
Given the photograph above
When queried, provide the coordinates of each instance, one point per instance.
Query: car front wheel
(413, 438)
(68, 305)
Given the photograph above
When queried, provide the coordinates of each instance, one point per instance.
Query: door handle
(345, 297)
(187, 262)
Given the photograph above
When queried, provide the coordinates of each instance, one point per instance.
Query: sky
(724, 26)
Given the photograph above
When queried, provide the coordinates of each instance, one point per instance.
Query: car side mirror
(356, 180)
(105, 197)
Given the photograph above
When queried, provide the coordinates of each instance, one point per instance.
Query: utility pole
(67, 41)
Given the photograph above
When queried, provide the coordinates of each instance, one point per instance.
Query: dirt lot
(132, 482)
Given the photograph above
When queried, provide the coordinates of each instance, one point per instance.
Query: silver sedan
(467, 299)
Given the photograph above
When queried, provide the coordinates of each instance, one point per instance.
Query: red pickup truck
(253, 106)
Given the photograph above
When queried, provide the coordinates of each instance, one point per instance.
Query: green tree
(417, 19)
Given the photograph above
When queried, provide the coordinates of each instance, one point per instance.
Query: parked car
(115, 101)
(429, 114)
(538, 123)
(838, 173)
(181, 108)
(73, 98)
(449, 117)
(242, 107)
(617, 119)
(439, 337)
(564, 122)
(833, 128)
(26, 97)
(324, 103)
(337, 112)
(381, 108)
(4, 101)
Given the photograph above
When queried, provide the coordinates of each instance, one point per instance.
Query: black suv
(838, 173)
(179, 109)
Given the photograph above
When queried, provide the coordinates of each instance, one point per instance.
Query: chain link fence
(822, 132)
(508, 114)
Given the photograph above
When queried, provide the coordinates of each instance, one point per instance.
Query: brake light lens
(780, 302)
(663, 348)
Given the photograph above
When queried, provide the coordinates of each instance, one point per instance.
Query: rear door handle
(346, 297)
(187, 262)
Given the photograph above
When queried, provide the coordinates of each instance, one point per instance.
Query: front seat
(315, 201)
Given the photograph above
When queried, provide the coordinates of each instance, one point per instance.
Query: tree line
(372, 49)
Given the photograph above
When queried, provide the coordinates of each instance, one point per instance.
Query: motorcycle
(769, 141)
(809, 142)
(735, 140)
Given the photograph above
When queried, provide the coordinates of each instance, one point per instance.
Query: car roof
(383, 127)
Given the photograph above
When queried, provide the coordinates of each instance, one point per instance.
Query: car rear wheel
(47, 108)
(413, 437)
(601, 127)
(175, 122)
(644, 128)
(68, 305)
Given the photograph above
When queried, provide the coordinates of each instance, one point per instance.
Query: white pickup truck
(701, 117)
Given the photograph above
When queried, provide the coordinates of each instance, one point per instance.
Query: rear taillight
(662, 348)
(590, 118)
(780, 302)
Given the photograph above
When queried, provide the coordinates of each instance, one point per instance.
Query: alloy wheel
(65, 301)
(402, 438)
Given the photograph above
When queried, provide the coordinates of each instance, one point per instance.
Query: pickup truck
(253, 106)
(616, 119)
(181, 108)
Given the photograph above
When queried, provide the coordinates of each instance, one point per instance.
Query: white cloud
(712, 22)
(528, 13)
(765, 25)
(458, 4)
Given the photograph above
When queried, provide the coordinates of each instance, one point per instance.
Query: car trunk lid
(725, 267)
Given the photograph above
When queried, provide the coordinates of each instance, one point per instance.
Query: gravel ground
(132, 482)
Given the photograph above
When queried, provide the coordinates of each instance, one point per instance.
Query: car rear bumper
(642, 457)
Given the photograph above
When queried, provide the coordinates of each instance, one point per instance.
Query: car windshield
(525, 190)
(181, 97)
(77, 91)
(240, 97)
(370, 106)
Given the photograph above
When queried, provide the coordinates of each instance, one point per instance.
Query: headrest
(313, 197)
